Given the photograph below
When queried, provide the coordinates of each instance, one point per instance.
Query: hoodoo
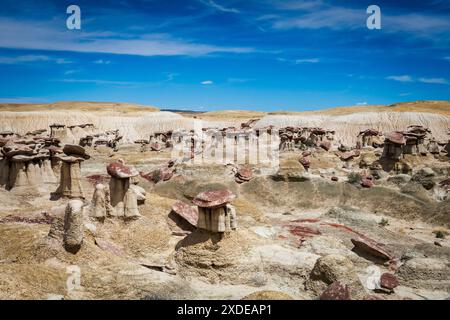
(215, 214)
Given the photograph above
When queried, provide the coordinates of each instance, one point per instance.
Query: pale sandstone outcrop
(73, 226)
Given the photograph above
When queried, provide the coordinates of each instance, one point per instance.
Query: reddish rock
(55, 149)
(336, 291)
(349, 155)
(306, 153)
(304, 231)
(213, 198)
(388, 281)
(305, 162)
(326, 145)
(155, 146)
(120, 170)
(158, 175)
(243, 175)
(75, 150)
(186, 212)
(334, 178)
(445, 184)
(367, 182)
(396, 137)
(371, 248)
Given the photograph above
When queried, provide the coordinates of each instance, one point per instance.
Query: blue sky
(225, 54)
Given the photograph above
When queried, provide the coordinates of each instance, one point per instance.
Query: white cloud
(238, 80)
(101, 61)
(434, 80)
(333, 18)
(362, 104)
(299, 5)
(32, 58)
(311, 60)
(219, 7)
(207, 82)
(447, 58)
(404, 78)
(41, 36)
(101, 82)
(68, 72)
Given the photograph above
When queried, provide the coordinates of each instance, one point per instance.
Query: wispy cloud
(447, 58)
(207, 82)
(404, 78)
(69, 72)
(299, 5)
(101, 82)
(219, 7)
(23, 100)
(239, 80)
(40, 36)
(407, 78)
(335, 18)
(32, 58)
(362, 104)
(311, 60)
(101, 61)
(434, 80)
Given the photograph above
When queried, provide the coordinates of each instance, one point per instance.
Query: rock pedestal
(124, 199)
(214, 212)
(73, 226)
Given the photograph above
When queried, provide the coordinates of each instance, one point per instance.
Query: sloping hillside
(79, 106)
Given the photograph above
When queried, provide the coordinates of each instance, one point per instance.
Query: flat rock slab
(121, 171)
(213, 198)
(372, 248)
(186, 212)
(336, 291)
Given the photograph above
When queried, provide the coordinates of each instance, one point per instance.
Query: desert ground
(352, 203)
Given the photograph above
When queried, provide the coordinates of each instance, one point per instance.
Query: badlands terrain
(345, 203)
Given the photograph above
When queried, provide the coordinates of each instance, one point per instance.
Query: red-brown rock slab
(334, 178)
(303, 231)
(388, 281)
(305, 162)
(213, 198)
(396, 137)
(186, 212)
(155, 146)
(326, 145)
(372, 248)
(367, 182)
(121, 171)
(336, 291)
(158, 175)
(75, 150)
(243, 175)
(306, 153)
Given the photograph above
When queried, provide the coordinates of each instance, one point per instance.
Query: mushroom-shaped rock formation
(243, 175)
(124, 199)
(393, 145)
(215, 214)
(70, 178)
(73, 226)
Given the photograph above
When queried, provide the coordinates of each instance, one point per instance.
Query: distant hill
(79, 106)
